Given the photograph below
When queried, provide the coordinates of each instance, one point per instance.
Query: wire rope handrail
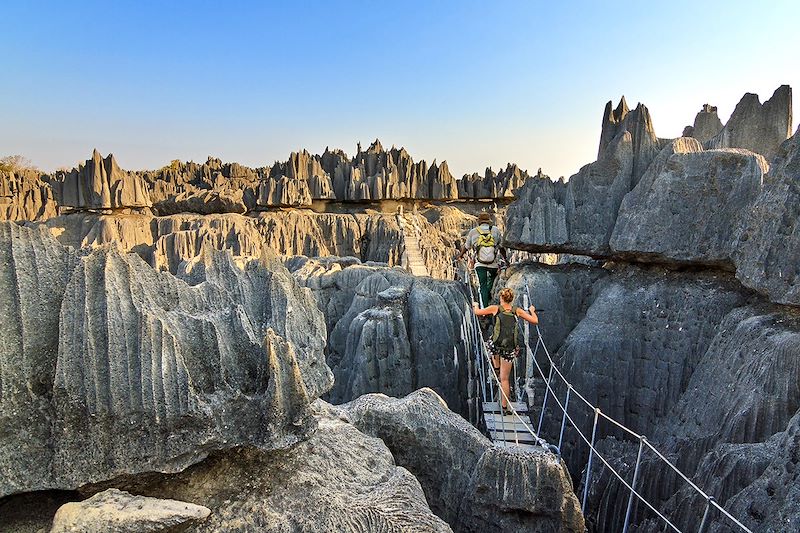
(643, 442)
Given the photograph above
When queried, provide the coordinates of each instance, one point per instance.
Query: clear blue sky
(475, 83)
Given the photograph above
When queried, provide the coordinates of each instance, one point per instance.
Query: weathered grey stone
(390, 332)
(26, 195)
(101, 184)
(758, 127)
(203, 202)
(493, 185)
(121, 512)
(337, 480)
(470, 483)
(578, 216)
(690, 205)
(706, 124)
(148, 370)
(768, 254)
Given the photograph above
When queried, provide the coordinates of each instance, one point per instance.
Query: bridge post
(706, 515)
(544, 402)
(589, 462)
(633, 485)
(564, 416)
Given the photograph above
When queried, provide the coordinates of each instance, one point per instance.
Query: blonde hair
(507, 295)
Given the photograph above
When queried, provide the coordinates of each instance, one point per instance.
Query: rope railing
(644, 444)
(471, 332)
(482, 358)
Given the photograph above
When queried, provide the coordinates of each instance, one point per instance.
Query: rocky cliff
(113, 367)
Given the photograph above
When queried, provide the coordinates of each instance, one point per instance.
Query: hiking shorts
(507, 354)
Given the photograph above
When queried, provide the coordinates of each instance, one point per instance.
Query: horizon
(255, 83)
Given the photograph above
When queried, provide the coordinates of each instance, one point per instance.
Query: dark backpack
(505, 328)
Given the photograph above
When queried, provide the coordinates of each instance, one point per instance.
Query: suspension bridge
(516, 430)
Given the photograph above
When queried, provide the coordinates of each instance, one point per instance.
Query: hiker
(503, 345)
(485, 240)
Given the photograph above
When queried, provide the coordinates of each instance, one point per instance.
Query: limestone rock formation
(578, 216)
(493, 185)
(690, 204)
(758, 127)
(167, 242)
(119, 511)
(768, 253)
(389, 331)
(470, 483)
(706, 124)
(203, 202)
(26, 195)
(101, 184)
(115, 360)
(337, 480)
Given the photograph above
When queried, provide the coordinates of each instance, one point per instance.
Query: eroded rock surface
(101, 184)
(469, 482)
(119, 511)
(337, 480)
(389, 331)
(130, 370)
(758, 127)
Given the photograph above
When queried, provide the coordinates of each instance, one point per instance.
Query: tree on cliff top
(15, 163)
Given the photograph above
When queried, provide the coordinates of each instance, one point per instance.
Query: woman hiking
(503, 343)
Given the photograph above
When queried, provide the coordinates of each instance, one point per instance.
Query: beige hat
(484, 217)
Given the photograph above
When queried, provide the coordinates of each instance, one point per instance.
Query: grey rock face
(641, 339)
(758, 127)
(148, 370)
(101, 184)
(337, 480)
(690, 204)
(564, 292)
(578, 216)
(469, 483)
(706, 124)
(733, 429)
(493, 184)
(389, 331)
(768, 254)
(26, 195)
(115, 510)
(167, 242)
(203, 202)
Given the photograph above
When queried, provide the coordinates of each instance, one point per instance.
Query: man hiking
(485, 241)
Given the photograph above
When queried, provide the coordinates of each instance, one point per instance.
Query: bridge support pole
(633, 486)
(589, 462)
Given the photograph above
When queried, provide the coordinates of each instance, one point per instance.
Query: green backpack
(505, 334)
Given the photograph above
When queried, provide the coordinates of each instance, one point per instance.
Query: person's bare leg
(505, 374)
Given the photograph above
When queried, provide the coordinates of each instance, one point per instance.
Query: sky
(475, 83)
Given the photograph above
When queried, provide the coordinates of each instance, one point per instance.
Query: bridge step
(522, 446)
(494, 407)
(507, 423)
(512, 436)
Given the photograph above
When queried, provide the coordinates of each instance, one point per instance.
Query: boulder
(118, 369)
(768, 252)
(470, 483)
(119, 511)
(758, 127)
(689, 205)
(337, 480)
(101, 184)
